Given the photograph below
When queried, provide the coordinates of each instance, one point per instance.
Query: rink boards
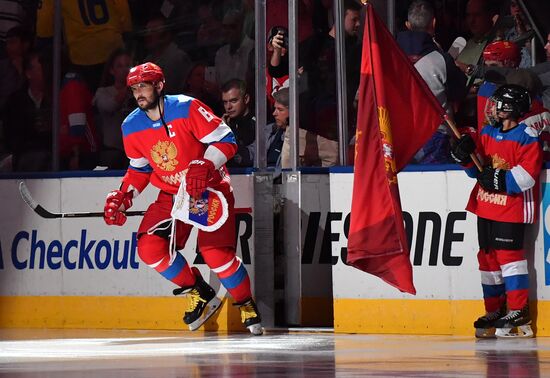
(80, 273)
(443, 253)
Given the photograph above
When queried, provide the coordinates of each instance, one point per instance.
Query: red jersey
(539, 119)
(273, 84)
(518, 152)
(161, 155)
(76, 115)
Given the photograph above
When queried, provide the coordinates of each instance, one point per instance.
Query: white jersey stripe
(217, 134)
(225, 266)
(531, 206)
(77, 119)
(528, 207)
(216, 156)
(154, 265)
(139, 163)
(522, 178)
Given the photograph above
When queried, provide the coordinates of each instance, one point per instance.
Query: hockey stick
(38, 209)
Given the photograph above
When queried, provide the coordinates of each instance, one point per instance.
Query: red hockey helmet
(502, 51)
(146, 72)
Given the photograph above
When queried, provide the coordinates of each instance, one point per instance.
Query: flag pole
(457, 134)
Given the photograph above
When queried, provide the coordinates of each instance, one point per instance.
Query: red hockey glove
(199, 172)
(116, 203)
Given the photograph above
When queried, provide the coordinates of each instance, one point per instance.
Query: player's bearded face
(146, 95)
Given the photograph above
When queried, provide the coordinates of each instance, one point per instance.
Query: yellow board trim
(421, 317)
(393, 316)
(108, 312)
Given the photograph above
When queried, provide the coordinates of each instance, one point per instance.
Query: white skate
(516, 324)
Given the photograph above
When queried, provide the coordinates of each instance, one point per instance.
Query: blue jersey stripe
(145, 169)
(228, 138)
(518, 134)
(512, 186)
(175, 107)
(135, 122)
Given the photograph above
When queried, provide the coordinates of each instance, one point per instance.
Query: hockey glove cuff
(199, 173)
(492, 180)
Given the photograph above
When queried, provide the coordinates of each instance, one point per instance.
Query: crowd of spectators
(206, 50)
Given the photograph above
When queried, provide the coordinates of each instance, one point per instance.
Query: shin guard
(516, 277)
(153, 251)
(492, 282)
(230, 271)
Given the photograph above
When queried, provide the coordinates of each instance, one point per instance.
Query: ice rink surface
(136, 354)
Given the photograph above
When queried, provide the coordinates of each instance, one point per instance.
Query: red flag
(397, 115)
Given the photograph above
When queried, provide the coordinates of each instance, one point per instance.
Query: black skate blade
(485, 333)
(211, 308)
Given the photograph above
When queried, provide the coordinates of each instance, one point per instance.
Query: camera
(279, 29)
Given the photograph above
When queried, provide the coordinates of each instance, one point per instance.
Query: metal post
(56, 83)
(542, 39)
(293, 82)
(533, 48)
(292, 239)
(260, 159)
(264, 273)
(264, 256)
(391, 16)
(341, 83)
(291, 186)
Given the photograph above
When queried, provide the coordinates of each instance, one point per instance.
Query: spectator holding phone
(277, 65)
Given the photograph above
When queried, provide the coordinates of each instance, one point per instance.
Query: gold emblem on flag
(387, 144)
(164, 155)
(358, 135)
(198, 206)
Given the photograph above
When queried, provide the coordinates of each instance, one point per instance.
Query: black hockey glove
(492, 180)
(461, 151)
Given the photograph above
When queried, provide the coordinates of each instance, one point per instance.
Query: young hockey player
(505, 199)
(170, 140)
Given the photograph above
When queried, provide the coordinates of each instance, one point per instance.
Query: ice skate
(203, 302)
(485, 325)
(250, 317)
(518, 320)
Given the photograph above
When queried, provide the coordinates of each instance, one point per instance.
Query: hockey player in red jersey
(173, 141)
(505, 199)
